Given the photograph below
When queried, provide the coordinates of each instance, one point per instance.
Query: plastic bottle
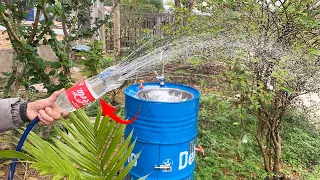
(92, 88)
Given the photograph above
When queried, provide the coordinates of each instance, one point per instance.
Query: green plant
(301, 141)
(230, 148)
(89, 151)
(28, 67)
(142, 5)
(231, 151)
(94, 59)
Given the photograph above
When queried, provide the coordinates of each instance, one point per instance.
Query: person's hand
(46, 109)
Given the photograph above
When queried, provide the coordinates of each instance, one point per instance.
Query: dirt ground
(23, 172)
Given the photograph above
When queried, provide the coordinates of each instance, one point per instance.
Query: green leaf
(251, 107)
(80, 134)
(76, 146)
(104, 132)
(126, 170)
(145, 177)
(97, 121)
(56, 65)
(75, 155)
(58, 177)
(315, 52)
(15, 154)
(110, 149)
(119, 153)
(242, 116)
(78, 158)
(2, 7)
(58, 7)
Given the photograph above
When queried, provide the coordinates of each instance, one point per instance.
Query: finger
(44, 124)
(43, 121)
(55, 95)
(56, 115)
(41, 104)
(45, 116)
(65, 114)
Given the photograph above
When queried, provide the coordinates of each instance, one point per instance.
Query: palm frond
(15, 154)
(89, 151)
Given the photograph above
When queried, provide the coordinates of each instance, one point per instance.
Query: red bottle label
(79, 95)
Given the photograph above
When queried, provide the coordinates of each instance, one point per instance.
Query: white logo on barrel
(131, 158)
(186, 159)
(167, 163)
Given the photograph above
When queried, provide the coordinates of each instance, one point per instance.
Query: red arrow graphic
(110, 111)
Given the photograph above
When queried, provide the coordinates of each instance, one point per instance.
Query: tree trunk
(17, 69)
(260, 135)
(277, 153)
(116, 27)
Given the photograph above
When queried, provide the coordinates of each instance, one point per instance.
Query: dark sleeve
(10, 113)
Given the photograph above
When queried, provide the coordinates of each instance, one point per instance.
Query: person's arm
(14, 111)
(10, 113)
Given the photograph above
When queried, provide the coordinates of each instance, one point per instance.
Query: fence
(133, 25)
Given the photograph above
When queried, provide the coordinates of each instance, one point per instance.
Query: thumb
(55, 96)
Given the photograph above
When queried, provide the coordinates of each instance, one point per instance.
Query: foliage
(301, 142)
(231, 150)
(268, 96)
(28, 67)
(90, 151)
(187, 23)
(223, 137)
(94, 59)
(143, 5)
(290, 22)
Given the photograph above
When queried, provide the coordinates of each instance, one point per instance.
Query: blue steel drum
(165, 130)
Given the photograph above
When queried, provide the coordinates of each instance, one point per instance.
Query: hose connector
(141, 85)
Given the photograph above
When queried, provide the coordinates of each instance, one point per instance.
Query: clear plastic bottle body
(95, 87)
(64, 103)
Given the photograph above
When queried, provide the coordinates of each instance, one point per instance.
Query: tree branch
(64, 27)
(260, 118)
(35, 26)
(12, 41)
(263, 108)
(275, 106)
(56, 48)
(264, 154)
(9, 27)
(8, 3)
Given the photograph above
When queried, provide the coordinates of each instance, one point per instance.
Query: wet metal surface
(164, 95)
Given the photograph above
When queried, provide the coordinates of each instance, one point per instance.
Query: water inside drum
(164, 95)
